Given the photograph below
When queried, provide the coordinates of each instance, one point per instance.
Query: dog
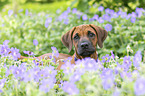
(84, 38)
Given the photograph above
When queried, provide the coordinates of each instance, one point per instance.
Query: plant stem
(4, 92)
(16, 89)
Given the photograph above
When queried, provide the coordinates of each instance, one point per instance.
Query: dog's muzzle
(85, 49)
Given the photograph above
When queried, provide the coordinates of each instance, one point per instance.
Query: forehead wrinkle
(82, 29)
(85, 29)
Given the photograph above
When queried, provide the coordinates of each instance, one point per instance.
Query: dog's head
(84, 38)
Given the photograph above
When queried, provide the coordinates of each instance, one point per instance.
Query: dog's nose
(84, 45)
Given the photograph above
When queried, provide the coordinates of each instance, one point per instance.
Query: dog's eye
(76, 37)
(90, 34)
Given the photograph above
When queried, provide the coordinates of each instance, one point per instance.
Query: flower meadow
(111, 75)
(118, 72)
(25, 27)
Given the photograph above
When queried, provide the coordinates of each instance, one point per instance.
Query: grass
(51, 7)
(37, 7)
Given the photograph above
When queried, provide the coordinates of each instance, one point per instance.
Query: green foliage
(128, 5)
(22, 28)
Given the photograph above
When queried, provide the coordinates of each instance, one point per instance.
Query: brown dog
(84, 38)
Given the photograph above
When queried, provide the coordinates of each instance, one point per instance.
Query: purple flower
(63, 16)
(75, 77)
(10, 12)
(17, 71)
(119, 12)
(79, 14)
(28, 76)
(58, 11)
(51, 72)
(139, 11)
(4, 49)
(3, 25)
(133, 14)
(67, 68)
(107, 82)
(36, 71)
(70, 88)
(111, 12)
(95, 17)
(139, 14)
(21, 10)
(46, 85)
(106, 58)
(91, 19)
(123, 14)
(90, 64)
(84, 17)
(133, 19)
(100, 20)
(137, 59)
(101, 8)
(126, 62)
(139, 87)
(125, 75)
(68, 10)
(107, 73)
(135, 74)
(9, 70)
(116, 92)
(114, 15)
(128, 16)
(26, 12)
(2, 83)
(43, 74)
(6, 42)
(107, 10)
(106, 17)
(47, 22)
(14, 52)
(74, 10)
(112, 55)
(48, 72)
(66, 21)
(55, 51)
(80, 66)
(28, 53)
(60, 18)
(108, 27)
(118, 69)
(35, 42)
(107, 78)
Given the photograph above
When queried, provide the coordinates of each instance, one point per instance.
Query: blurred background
(22, 21)
(129, 5)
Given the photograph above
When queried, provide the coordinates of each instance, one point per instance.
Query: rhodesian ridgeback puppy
(84, 38)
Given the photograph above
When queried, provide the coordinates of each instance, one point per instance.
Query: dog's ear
(67, 39)
(101, 33)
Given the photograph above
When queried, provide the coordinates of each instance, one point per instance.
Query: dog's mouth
(86, 53)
